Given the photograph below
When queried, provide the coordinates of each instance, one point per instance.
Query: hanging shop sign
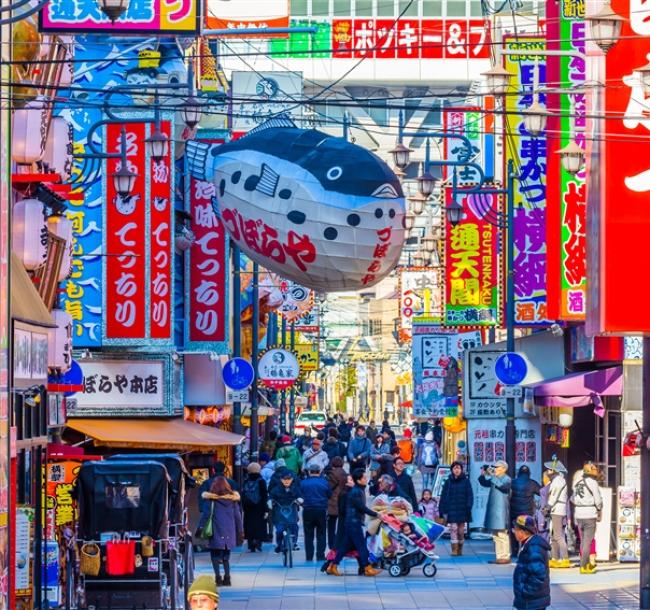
(206, 272)
(435, 371)
(278, 369)
(23, 536)
(529, 223)
(248, 14)
(472, 278)
(60, 342)
(309, 322)
(58, 148)
(61, 227)
(468, 122)
(318, 210)
(29, 232)
(61, 507)
(296, 299)
(482, 396)
(420, 299)
(29, 131)
(618, 234)
(30, 355)
(145, 17)
(567, 194)
(307, 356)
(125, 388)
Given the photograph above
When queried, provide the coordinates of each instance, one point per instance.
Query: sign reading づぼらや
(124, 388)
(278, 369)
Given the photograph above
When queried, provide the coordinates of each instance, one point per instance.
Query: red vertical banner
(206, 302)
(160, 244)
(125, 251)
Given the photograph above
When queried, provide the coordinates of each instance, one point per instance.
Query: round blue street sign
(238, 374)
(510, 368)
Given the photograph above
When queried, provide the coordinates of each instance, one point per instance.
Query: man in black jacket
(355, 512)
(522, 498)
(530, 580)
(405, 487)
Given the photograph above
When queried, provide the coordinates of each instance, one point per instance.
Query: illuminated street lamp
(572, 157)
(605, 27)
(535, 117)
(429, 243)
(409, 221)
(114, 9)
(124, 178)
(454, 212)
(417, 204)
(401, 155)
(497, 80)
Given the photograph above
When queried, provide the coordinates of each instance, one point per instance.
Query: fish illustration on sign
(314, 208)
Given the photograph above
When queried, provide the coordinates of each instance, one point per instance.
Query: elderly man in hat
(203, 594)
(556, 509)
(530, 580)
(497, 512)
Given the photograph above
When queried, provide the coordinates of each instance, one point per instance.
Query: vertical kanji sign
(471, 263)
(125, 260)
(206, 296)
(160, 244)
(529, 156)
(566, 194)
(619, 185)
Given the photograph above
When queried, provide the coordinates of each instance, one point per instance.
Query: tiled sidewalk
(466, 583)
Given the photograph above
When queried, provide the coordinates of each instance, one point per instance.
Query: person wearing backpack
(427, 460)
(290, 455)
(254, 498)
(556, 509)
(588, 504)
(406, 447)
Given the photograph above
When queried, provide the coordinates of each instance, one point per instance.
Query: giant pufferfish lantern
(314, 208)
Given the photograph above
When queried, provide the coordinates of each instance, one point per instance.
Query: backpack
(429, 455)
(406, 450)
(251, 492)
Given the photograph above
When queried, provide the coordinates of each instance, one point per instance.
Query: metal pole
(254, 358)
(346, 125)
(644, 597)
(236, 350)
(292, 395)
(510, 313)
(283, 395)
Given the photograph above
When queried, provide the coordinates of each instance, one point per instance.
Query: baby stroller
(409, 544)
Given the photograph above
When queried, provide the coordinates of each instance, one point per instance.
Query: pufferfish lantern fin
(196, 154)
(282, 120)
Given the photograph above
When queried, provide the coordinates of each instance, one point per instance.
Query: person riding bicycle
(285, 498)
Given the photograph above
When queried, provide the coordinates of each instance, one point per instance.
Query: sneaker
(563, 563)
(333, 570)
(277, 550)
(588, 569)
(370, 571)
(296, 547)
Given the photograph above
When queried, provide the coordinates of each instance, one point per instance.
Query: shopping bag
(206, 532)
(120, 557)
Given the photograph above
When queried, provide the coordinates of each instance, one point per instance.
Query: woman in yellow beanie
(203, 594)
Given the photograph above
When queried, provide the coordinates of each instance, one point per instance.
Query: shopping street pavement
(464, 583)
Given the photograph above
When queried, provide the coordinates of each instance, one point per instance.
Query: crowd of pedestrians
(331, 472)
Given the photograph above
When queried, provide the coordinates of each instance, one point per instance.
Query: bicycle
(288, 522)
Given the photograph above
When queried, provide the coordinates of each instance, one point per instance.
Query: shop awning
(26, 304)
(578, 389)
(168, 434)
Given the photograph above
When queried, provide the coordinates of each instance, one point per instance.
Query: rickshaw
(132, 549)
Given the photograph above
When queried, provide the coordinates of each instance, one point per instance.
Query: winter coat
(429, 510)
(284, 497)
(303, 443)
(428, 454)
(337, 479)
(371, 433)
(267, 472)
(406, 489)
(456, 499)
(359, 446)
(254, 524)
(379, 454)
(334, 448)
(522, 498)
(315, 492)
(205, 486)
(530, 580)
(345, 432)
(227, 523)
(586, 498)
(558, 495)
(315, 457)
(355, 507)
(497, 511)
(291, 457)
(276, 480)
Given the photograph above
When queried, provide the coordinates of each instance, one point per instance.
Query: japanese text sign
(118, 387)
(278, 369)
(566, 193)
(207, 271)
(472, 249)
(61, 477)
(410, 38)
(435, 371)
(619, 184)
(307, 356)
(482, 390)
(467, 122)
(529, 223)
(420, 297)
(248, 14)
(296, 299)
(309, 322)
(144, 16)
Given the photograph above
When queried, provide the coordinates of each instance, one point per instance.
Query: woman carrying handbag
(221, 524)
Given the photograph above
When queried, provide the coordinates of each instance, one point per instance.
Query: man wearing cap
(203, 594)
(530, 580)
(316, 493)
(587, 506)
(556, 509)
(497, 512)
(315, 455)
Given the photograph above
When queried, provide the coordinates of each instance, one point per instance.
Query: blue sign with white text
(510, 368)
(238, 374)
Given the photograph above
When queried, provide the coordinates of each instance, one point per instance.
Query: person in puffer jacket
(530, 580)
(587, 504)
(522, 498)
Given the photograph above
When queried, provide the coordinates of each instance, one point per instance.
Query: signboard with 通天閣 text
(435, 371)
(529, 156)
(142, 17)
(472, 254)
(126, 388)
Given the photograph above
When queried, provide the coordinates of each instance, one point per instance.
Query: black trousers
(314, 521)
(331, 530)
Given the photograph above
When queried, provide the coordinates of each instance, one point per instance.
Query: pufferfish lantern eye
(334, 173)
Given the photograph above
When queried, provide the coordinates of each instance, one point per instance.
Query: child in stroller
(408, 530)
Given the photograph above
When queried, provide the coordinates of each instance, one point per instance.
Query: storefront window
(299, 8)
(363, 8)
(320, 8)
(385, 8)
(456, 8)
(431, 8)
(342, 8)
(408, 8)
(475, 8)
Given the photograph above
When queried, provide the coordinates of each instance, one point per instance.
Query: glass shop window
(342, 8)
(299, 8)
(363, 8)
(385, 8)
(431, 8)
(456, 8)
(320, 8)
(407, 8)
